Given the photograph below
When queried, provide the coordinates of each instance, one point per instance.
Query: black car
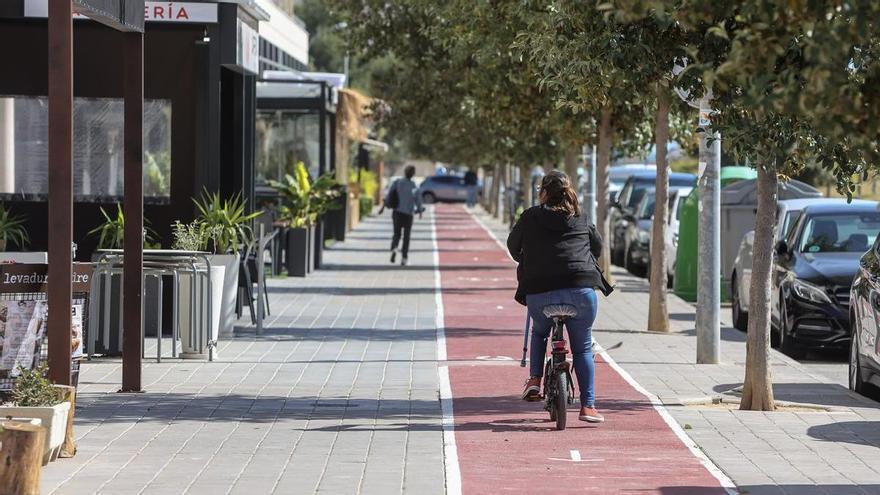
(813, 272)
(864, 313)
(632, 193)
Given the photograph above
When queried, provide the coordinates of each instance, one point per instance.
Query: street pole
(591, 192)
(708, 322)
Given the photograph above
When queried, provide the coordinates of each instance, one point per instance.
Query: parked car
(813, 271)
(443, 188)
(640, 229)
(864, 314)
(633, 190)
(618, 174)
(637, 239)
(676, 199)
(787, 212)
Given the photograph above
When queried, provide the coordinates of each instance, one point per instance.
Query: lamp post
(708, 317)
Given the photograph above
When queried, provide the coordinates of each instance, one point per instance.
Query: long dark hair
(558, 194)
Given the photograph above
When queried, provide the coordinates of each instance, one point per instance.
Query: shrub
(33, 389)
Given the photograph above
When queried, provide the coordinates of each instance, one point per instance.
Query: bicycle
(558, 383)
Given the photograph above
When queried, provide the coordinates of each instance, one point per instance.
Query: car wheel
(428, 198)
(787, 342)
(856, 383)
(740, 317)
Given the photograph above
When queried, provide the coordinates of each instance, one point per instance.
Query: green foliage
(226, 220)
(366, 205)
(12, 227)
(368, 182)
(294, 193)
(33, 389)
(324, 196)
(111, 232)
(157, 173)
(193, 236)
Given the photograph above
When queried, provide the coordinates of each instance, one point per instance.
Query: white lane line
(575, 455)
(710, 466)
(450, 450)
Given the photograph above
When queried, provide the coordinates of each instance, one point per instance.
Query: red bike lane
(507, 445)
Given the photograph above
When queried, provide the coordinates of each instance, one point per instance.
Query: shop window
(283, 139)
(98, 125)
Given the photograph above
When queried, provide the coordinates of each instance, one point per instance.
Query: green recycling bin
(684, 283)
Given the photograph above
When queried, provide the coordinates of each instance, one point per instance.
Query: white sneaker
(403, 261)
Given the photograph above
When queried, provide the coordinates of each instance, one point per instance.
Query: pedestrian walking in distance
(404, 200)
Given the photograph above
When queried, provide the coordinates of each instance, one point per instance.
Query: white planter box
(53, 419)
(230, 291)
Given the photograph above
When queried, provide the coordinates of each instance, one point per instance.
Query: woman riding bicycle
(557, 249)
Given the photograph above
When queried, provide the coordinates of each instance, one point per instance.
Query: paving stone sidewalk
(830, 451)
(338, 396)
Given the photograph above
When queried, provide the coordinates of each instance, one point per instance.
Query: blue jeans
(580, 334)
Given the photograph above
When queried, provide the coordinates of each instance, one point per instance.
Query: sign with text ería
(203, 13)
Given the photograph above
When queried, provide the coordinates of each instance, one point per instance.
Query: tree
(779, 73)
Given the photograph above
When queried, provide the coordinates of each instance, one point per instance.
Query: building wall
(169, 61)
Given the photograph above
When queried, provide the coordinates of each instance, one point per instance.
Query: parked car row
(825, 281)
(632, 213)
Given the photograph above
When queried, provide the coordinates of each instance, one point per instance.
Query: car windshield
(646, 207)
(636, 196)
(787, 223)
(840, 233)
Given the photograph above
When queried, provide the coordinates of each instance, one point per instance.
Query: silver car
(740, 279)
(444, 188)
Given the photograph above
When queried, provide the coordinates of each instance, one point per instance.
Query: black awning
(123, 15)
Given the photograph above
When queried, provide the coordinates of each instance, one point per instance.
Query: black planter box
(297, 252)
(318, 245)
(311, 249)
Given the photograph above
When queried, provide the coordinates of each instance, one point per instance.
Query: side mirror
(782, 248)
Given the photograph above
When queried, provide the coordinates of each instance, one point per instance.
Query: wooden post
(21, 457)
(60, 188)
(68, 394)
(133, 206)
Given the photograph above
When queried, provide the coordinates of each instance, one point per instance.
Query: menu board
(22, 326)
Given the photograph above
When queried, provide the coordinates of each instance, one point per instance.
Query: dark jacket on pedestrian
(555, 251)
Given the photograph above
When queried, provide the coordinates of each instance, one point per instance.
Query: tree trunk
(658, 314)
(496, 189)
(602, 161)
(68, 394)
(21, 457)
(571, 166)
(505, 198)
(525, 186)
(758, 387)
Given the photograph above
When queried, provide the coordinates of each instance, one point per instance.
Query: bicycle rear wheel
(560, 402)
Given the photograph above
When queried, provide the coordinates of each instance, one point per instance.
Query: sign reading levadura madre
(33, 277)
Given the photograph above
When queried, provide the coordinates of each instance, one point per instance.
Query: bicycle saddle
(560, 311)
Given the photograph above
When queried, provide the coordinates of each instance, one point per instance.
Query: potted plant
(110, 234)
(294, 211)
(35, 397)
(323, 197)
(197, 236)
(230, 229)
(11, 228)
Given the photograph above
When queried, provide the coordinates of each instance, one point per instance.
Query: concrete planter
(185, 279)
(53, 419)
(230, 291)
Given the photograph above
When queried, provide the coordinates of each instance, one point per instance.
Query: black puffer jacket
(554, 251)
